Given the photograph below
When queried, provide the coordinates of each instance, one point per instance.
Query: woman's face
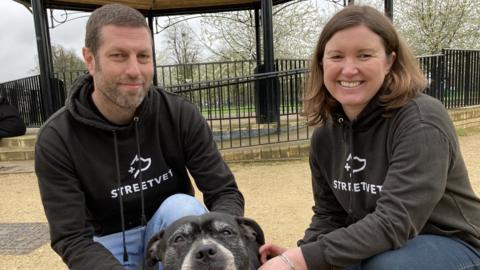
(354, 66)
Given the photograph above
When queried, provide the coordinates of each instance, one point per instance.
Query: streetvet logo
(361, 161)
(144, 164)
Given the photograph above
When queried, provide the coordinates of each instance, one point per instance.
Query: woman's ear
(391, 59)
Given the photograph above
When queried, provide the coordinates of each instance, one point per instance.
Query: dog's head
(213, 241)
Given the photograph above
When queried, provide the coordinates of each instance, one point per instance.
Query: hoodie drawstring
(140, 176)
(140, 180)
(122, 217)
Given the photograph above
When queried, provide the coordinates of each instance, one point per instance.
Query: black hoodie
(380, 181)
(89, 169)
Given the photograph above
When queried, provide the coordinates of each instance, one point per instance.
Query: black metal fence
(26, 96)
(231, 107)
(453, 76)
(235, 100)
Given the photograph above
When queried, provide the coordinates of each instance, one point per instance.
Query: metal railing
(231, 108)
(237, 106)
(453, 77)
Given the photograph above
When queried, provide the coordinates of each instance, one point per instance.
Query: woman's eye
(365, 56)
(335, 58)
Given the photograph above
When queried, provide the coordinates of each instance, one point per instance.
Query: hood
(365, 119)
(78, 105)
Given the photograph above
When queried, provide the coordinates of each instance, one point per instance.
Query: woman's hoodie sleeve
(64, 204)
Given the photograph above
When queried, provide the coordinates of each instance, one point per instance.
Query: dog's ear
(251, 230)
(155, 249)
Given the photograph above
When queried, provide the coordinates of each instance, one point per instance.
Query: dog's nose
(206, 252)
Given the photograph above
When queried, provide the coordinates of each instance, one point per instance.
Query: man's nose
(133, 67)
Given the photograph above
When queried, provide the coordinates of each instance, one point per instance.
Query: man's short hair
(111, 14)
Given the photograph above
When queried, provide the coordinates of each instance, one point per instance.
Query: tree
(431, 25)
(64, 60)
(231, 36)
(184, 48)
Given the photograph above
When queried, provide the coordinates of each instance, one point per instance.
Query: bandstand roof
(157, 7)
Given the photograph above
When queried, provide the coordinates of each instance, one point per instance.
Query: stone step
(16, 154)
(25, 141)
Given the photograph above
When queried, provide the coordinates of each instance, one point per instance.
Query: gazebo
(156, 8)
(151, 9)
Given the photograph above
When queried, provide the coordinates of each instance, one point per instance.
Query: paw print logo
(144, 162)
(358, 164)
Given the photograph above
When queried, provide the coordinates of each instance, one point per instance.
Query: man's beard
(108, 88)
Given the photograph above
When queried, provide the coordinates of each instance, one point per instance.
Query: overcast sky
(18, 51)
(18, 42)
(18, 47)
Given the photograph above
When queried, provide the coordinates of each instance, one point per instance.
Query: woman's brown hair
(401, 84)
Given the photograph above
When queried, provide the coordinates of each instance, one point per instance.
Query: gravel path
(277, 195)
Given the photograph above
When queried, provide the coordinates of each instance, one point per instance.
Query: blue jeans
(425, 252)
(136, 239)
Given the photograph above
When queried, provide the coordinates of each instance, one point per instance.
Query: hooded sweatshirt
(95, 176)
(379, 181)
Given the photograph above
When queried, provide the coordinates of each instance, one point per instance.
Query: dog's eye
(226, 232)
(179, 238)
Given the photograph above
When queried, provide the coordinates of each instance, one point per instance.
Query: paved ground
(277, 195)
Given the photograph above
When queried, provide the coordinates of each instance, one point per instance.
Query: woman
(390, 185)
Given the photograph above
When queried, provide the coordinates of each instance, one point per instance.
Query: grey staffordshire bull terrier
(212, 241)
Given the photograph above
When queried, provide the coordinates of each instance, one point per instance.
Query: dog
(212, 241)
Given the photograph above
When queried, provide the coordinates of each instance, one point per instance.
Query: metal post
(267, 35)
(150, 25)
(272, 97)
(389, 9)
(258, 41)
(45, 62)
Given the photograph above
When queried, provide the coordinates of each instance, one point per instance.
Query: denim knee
(427, 252)
(178, 206)
(386, 260)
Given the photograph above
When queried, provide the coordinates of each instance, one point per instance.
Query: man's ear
(89, 59)
(155, 249)
(251, 230)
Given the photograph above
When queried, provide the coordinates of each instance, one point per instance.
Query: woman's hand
(269, 251)
(292, 258)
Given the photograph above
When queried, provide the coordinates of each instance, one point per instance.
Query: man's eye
(116, 55)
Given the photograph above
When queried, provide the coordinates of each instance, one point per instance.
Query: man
(112, 164)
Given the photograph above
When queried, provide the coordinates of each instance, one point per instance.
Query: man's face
(122, 67)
